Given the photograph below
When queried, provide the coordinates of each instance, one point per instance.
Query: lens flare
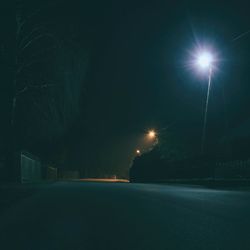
(204, 60)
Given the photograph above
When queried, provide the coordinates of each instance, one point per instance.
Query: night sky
(119, 68)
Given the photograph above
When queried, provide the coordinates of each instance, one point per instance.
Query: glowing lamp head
(204, 60)
(151, 134)
(138, 151)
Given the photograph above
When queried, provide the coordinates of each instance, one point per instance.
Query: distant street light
(138, 151)
(151, 134)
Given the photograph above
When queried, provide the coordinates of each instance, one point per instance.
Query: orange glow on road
(103, 180)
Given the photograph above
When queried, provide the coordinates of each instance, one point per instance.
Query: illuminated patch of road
(103, 180)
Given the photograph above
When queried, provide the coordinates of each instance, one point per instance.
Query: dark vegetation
(230, 160)
(42, 68)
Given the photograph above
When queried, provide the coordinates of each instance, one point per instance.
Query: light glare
(204, 60)
(151, 134)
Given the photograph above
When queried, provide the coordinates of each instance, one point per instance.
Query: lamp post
(205, 62)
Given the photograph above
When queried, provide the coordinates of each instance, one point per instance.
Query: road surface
(99, 216)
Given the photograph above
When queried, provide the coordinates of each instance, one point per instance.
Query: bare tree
(51, 95)
(30, 35)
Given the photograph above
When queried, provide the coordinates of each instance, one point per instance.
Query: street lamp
(151, 134)
(204, 61)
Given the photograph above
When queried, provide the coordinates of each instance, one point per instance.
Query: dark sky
(135, 75)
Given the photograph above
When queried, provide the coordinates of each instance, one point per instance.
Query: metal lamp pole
(206, 109)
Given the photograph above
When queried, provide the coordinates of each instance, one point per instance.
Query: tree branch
(21, 24)
(22, 40)
(36, 38)
(23, 66)
(35, 60)
(26, 88)
(46, 85)
(22, 91)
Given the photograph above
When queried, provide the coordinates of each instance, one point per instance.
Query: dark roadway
(88, 215)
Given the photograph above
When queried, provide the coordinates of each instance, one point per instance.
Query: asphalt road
(99, 216)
